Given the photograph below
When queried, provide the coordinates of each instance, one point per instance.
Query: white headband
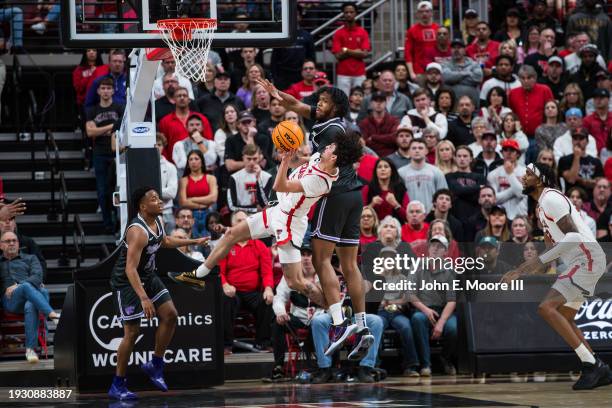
(532, 167)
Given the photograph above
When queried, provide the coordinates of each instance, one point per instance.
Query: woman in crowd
(392, 312)
(227, 128)
(245, 93)
(402, 78)
(497, 225)
(445, 102)
(386, 192)
(552, 128)
(511, 129)
(468, 27)
(547, 157)
(578, 197)
(368, 227)
(214, 225)
(530, 251)
(197, 191)
(81, 76)
(260, 104)
(510, 49)
(441, 227)
(520, 229)
(496, 108)
(510, 28)
(208, 85)
(186, 250)
(532, 45)
(572, 98)
(445, 156)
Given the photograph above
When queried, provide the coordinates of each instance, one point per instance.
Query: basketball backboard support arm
(135, 132)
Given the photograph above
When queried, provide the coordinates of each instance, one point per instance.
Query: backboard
(132, 23)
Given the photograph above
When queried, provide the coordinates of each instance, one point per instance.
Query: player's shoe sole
(341, 333)
(361, 349)
(188, 278)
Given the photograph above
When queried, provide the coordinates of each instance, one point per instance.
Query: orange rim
(176, 26)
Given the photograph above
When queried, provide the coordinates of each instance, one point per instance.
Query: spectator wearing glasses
(23, 291)
(168, 66)
(441, 52)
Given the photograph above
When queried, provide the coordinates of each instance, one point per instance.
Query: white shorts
(273, 222)
(581, 277)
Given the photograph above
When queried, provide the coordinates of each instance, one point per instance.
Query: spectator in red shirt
(441, 51)
(420, 39)
(378, 129)
(528, 101)
(174, 125)
(483, 50)
(246, 276)
(83, 73)
(305, 87)
(386, 192)
(351, 45)
(415, 230)
(599, 122)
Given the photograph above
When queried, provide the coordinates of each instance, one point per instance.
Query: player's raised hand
(270, 88)
(8, 211)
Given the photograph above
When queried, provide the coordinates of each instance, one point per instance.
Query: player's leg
(232, 236)
(594, 372)
(167, 317)
(322, 252)
(569, 313)
(118, 389)
(297, 281)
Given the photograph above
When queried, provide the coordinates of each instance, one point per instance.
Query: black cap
(601, 93)
(513, 12)
(223, 74)
(379, 95)
(245, 114)
(497, 208)
(488, 133)
(457, 41)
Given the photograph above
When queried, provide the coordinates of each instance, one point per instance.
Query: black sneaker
(338, 335)
(189, 279)
(363, 340)
(449, 368)
(322, 376)
(593, 375)
(278, 375)
(364, 375)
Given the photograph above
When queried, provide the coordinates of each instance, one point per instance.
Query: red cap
(511, 143)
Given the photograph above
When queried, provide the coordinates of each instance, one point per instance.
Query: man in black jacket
(488, 160)
(486, 201)
(465, 185)
(460, 129)
(212, 105)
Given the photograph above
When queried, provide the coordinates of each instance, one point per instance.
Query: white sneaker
(31, 356)
(426, 372)
(39, 28)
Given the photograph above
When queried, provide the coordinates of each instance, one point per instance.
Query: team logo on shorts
(129, 310)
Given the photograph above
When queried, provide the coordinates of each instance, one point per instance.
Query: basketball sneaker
(156, 374)
(593, 375)
(363, 340)
(189, 279)
(119, 391)
(338, 335)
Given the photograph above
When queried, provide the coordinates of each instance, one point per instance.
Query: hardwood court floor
(461, 391)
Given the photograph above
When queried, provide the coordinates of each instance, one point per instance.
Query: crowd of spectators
(447, 133)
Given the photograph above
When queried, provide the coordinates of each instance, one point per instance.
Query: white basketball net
(189, 41)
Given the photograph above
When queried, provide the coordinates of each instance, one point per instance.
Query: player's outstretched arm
(173, 242)
(288, 101)
(8, 211)
(281, 183)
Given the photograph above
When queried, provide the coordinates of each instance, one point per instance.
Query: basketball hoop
(189, 41)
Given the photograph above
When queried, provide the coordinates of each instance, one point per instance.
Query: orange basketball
(287, 136)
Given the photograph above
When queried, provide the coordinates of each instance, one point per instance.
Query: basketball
(287, 136)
